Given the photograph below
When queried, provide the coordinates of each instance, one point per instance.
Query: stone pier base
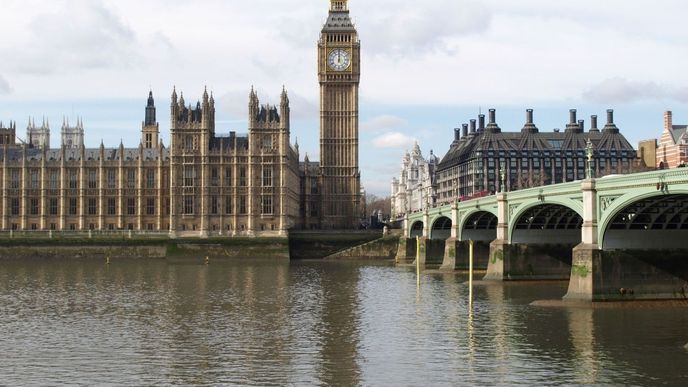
(456, 255)
(422, 252)
(523, 262)
(406, 252)
(626, 275)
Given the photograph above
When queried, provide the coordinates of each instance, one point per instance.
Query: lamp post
(589, 151)
(502, 174)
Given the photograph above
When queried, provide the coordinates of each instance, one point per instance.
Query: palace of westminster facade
(203, 184)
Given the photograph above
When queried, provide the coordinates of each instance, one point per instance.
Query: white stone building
(416, 186)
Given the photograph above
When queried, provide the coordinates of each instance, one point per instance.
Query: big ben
(339, 72)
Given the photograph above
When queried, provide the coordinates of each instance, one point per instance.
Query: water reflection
(314, 323)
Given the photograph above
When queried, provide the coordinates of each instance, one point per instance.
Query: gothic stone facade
(416, 186)
(202, 185)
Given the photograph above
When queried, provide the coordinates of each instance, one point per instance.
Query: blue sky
(427, 66)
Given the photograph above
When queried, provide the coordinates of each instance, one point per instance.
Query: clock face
(339, 59)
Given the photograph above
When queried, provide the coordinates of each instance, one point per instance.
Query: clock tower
(339, 73)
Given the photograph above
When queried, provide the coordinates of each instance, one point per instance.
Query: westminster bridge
(622, 237)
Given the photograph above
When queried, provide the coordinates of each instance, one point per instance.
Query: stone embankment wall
(380, 249)
(145, 248)
(318, 245)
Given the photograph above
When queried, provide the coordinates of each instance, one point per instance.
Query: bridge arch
(551, 222)
(479, 226)
(649, 221)
(441, 228)
(416, 229)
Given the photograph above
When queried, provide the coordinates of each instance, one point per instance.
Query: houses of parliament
(203, 183)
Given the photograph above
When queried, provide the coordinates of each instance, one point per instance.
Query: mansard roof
(111, 154)
(520, 144)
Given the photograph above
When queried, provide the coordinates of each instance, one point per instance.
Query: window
(112, 206)
(149, 140)
(242, 205)
(267, 142)
(242, 177)
(150, 206)
(188, 205)
(72, 206)
(267, 205)
(92, 179)
(131, 178)
(35, 180)
(131, 206)
(167, 206)
(53, 206)
(112, 179)
(213, 205)
(150, 179)
(214, 177)
(189, 176)
(15, 179)
(54, 180)
(73, 179)
(35, 207)
(92, 206)
(267, 176)
(228, 205)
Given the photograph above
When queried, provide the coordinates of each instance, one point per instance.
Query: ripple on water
(142, 322)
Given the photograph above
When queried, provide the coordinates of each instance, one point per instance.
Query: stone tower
(73, 136)
(38, 137)
(190, 134)
(150, 129)
(339, 76)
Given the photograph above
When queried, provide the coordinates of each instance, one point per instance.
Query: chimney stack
(457, 134)
(610, 116)
(493, 116)
(572, 116)
(593, 124)
(581, 125)
(610, 127)
(481, 123)
(473, 126)
(529, 127)
(529, 116)
(465, 130)
(668, 120)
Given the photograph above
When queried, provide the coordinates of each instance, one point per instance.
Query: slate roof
(111, 154)
(677, 131)
(523, 144)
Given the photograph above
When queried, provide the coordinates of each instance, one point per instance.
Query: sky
(427, 67)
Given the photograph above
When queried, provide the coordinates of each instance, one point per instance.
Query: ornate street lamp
(502, 173)
(589, 152)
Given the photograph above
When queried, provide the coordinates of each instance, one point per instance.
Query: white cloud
(5, 87)
(384, 122)
(392, 140)
(621, 90)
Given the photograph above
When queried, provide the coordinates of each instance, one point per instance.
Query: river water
(144, 322)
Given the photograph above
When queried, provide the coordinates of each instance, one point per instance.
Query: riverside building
(416, 186)
(483, 159)
(204, 183)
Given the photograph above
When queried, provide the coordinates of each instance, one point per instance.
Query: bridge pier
(456, 255)
(421, 253)
(406, 252)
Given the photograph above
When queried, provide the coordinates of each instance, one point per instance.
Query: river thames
(154, 322)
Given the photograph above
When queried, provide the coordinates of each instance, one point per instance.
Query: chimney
(529, 127)
(572, 116)
(493, 116)
(465, 130)
(457, 134)
(473, 126)
(593, 124)
(581, 125)
(668, 120)
(481, 123)
(610, 127)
